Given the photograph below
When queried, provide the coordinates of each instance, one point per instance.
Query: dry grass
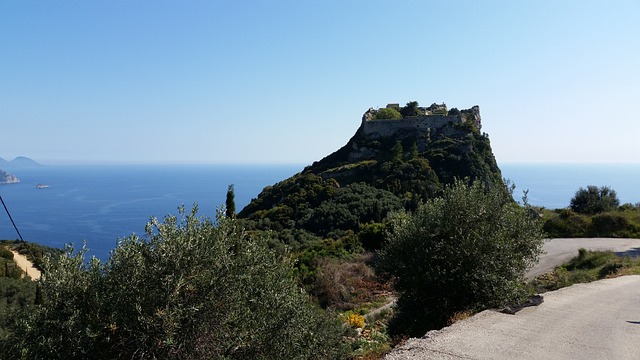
(458, 316)
(346, 284)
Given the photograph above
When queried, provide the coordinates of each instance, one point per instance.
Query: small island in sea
(42, 186)
(6, 178)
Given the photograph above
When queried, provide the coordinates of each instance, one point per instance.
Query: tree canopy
(388, 113)
(411, 109)
(193, 289)
(465, 251)
(594, 200)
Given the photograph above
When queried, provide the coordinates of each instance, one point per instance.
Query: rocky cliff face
(6, 178)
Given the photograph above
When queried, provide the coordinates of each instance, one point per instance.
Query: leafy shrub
(6, 253)
(388, 113)
(467, 250)
(372, 235)
(567, 224)
(193, 289)
(624, 222)
(608, 224)
(411, 109)
(609, 269)
(594, 200)
(351, 206)
(454, 112)
(587, 260)
(15, 293)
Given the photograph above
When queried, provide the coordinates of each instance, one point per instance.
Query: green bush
(411, 109)
(193, 289)
(372, 236)
(608, 224)
(352, 205)
(467, 250)
(454, 112)
(388, 114)
(623, 222)
(6, 253)
(587, 260)
(567, 224)
(594, 200)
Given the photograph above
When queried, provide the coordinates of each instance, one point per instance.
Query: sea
(97, 205)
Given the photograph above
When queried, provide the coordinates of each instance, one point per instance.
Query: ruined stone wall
(374, 129)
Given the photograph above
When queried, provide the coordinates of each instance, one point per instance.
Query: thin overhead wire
(11, 218)
(16, 227)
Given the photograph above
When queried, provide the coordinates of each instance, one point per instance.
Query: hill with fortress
(388, 164)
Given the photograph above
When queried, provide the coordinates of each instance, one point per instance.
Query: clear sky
(288, 81)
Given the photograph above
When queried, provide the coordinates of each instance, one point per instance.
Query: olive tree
(193, 288)
(594, 200)
(465, 251)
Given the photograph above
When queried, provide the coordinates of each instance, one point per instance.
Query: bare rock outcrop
(6, 178)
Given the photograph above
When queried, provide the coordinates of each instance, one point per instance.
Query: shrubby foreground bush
(465, 251)
(192, 289)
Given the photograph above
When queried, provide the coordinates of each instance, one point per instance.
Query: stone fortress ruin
(435, 118)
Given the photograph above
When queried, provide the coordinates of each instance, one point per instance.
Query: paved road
(559, 251)
(599, 320)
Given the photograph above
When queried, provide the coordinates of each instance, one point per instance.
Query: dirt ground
(26, 265)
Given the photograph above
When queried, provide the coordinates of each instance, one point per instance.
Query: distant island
(19, 162)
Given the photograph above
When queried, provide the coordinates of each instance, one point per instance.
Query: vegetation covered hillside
(371, 176)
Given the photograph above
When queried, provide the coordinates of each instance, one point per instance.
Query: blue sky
(288, 81)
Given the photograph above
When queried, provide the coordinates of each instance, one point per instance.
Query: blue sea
(100, 204)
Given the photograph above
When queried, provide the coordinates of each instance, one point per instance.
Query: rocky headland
(6, 178)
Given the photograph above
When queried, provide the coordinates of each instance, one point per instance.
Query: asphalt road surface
(599, 320)
(559, 251)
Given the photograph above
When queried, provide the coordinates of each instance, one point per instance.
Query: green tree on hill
(388, 113)
(594, 200)
(230, 208)
(411, 109)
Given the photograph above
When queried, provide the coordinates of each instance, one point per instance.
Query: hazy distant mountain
(20, 162)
